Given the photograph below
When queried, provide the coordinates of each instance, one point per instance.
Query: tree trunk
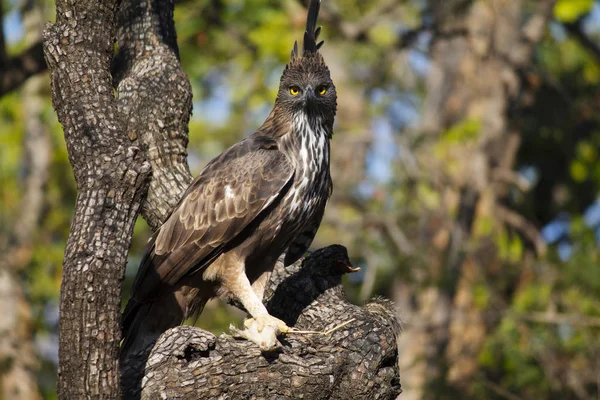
(358, 360)
(110, 175)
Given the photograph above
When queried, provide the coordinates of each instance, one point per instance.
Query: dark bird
(258, 199)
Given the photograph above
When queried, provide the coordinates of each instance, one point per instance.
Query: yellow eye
(294, 90)
(322, 90)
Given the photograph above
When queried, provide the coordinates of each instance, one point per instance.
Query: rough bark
(155, 100)
(110, 175)
(359, 360)
(478, 50)
(104, 136)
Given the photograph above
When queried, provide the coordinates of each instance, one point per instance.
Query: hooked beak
(309, 96)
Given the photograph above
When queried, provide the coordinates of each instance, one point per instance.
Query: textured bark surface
(155, 100)
(109, 140)
(110, 176)
(359, 360)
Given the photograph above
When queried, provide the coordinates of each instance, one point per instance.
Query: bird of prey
(258, 199)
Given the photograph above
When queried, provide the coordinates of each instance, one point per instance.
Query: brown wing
(231, 192)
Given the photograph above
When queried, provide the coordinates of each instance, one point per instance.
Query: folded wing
(233, 191)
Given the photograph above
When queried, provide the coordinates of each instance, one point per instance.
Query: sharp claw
(263, 321)
(262, 331)
(283, 328)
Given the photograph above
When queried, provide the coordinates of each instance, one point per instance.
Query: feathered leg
(262, 328)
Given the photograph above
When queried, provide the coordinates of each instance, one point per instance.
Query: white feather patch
(229, 192)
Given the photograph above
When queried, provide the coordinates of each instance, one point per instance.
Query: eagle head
(306, 86)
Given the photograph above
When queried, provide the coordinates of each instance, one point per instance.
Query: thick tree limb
(155, 99)
(357, 361)
(110, 177)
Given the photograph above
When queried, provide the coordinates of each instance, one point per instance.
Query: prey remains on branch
(258, 199)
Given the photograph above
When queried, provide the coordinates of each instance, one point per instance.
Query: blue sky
(13, 29)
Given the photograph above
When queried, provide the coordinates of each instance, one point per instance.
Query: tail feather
(312, 32)
(130, 324)
(143, 323)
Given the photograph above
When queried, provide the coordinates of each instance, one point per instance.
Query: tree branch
(526, 227)
(155, 99)
(357, 361)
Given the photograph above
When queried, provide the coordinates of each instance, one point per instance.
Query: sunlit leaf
(571, 10)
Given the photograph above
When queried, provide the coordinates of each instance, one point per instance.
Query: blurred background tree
(466, 166)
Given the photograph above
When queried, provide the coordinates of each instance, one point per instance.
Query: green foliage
(533, 297)
(382, 34)
(482, 296)
(582, 270)
(507, 354)
(571, 10)
(463, 132)
(510, 247)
